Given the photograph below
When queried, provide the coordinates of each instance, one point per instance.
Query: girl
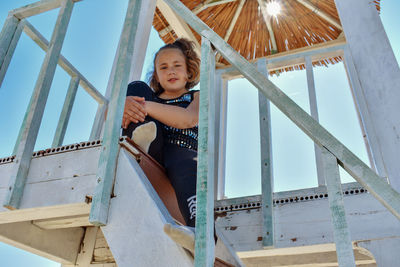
(164, 122)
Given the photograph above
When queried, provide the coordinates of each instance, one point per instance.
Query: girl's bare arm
(175, 116)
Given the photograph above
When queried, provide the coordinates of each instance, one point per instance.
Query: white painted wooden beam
(36, 8)
(209, 3)
(267, 178)
(179, 26)
(321, 13)
(312, 96)
(267, 20)
(63, 222)
(293, 58)
(222, 137)
(379, 79)
(232, 24)
(341, 232)
(371, 140)
(60, 245)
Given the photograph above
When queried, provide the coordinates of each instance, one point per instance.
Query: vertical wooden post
(5, 59)
(267, 182)
(217, 121)
(6, 36)
(371, 140)
(108, 157)
(341, 234)
(66, 112)
(222, 139)
(144, 27)
(34, 114)
(98, 122)
(314, 113)
(204, 244)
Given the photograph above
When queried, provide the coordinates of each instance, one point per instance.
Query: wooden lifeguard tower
(104, 203)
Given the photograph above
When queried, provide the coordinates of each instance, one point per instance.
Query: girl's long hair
(192, 64)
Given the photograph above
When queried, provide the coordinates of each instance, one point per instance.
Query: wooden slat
(341, 233)
(314, 113)
(66, 112)
(204, 244)
(37, 8)
(63, 222)
(7, 46)
(376, 185)
(267, 182)
(373, 148)
(108, 156)
(35, 111)
(86, 254)
(222, 137)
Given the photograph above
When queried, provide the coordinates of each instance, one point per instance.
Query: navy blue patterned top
(186, 138)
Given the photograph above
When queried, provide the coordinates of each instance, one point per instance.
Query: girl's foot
(144, 134)
(183, 235)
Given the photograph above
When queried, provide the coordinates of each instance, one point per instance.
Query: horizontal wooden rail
(293, 58)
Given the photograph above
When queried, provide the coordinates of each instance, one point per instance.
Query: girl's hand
(134, 110)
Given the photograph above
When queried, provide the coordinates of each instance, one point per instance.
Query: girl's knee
(139, 88)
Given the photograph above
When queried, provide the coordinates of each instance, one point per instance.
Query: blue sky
(90, 46)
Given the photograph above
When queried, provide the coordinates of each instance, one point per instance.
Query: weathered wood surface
(310, 256)
(204, 243)
(108, 157)
(34, 113)
(312, 96)
(267, 179)
(85, 255)
(341, 233)
(306, 223)
(102, 252)
(56, 185)
(373, 148)
(376, 185)
(380, 79)
(5, 59)
(6, 36)
(58, 245)
(64, 222)
(137, 216)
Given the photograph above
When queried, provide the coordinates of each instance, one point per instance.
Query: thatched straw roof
(252, 31)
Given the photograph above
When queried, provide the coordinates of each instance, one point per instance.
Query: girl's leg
(181, 166)
(139, 88)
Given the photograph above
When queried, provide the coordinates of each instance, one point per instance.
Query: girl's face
(171, 72)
